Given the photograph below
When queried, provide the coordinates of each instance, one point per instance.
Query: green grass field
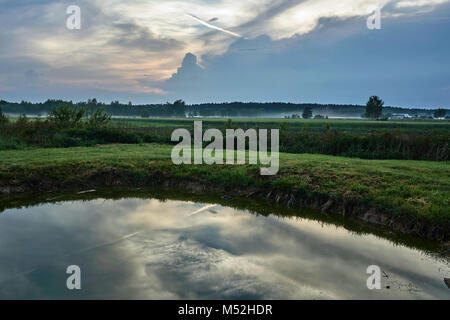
(348, 125)
(417, 189)
(294, 124)
(408, 140)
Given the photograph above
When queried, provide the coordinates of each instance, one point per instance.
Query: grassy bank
(417, 192)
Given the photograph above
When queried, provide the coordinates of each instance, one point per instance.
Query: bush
(86, 137)
(11, 144)
(64, 116)
(376, 145)
(98, 119)
(64, 140)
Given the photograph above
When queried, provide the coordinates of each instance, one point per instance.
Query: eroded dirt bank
(119, 177)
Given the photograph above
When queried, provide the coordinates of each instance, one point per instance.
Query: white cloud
(419, 3)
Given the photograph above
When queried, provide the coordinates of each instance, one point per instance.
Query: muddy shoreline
(346, 206)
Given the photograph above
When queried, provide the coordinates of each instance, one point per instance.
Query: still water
(149, 249)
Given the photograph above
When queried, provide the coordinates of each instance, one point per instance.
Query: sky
(148, 51)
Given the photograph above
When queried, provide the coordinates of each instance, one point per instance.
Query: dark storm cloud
(133, 36)
(271, 11)
(189, 69)
(340, 62)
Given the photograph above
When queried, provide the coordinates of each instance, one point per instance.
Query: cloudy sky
(151, 51)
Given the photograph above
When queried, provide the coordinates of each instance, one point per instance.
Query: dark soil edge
(347, 206)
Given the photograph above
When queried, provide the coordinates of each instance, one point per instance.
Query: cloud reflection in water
(171, 253)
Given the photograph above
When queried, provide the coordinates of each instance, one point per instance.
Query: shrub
(22, 122)
(98, 119)
(11, 144)
(64, 116)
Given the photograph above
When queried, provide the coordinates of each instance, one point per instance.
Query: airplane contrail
(202, 209)
(213, 26)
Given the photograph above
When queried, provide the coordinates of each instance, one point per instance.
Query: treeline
(254, 109)
(179, 109)
(115, 108)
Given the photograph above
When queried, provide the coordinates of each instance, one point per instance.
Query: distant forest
(180, 109)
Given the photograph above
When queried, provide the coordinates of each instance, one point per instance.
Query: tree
(179, 109)
(92, 102)
(307, 113)
(440, 113)
(374, 107)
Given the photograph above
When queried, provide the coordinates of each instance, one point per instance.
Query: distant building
(400, 116)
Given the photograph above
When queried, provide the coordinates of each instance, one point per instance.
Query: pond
(143, 248)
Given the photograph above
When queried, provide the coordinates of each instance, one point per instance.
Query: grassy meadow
(349, 125)
(407, 140)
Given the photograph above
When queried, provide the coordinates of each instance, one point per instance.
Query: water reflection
(148, 249)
